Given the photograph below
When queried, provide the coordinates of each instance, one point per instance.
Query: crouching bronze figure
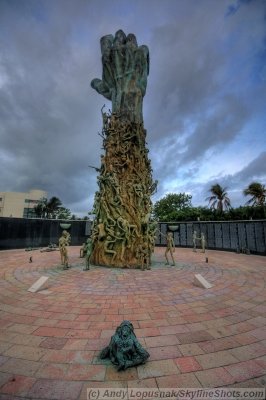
(124, 349)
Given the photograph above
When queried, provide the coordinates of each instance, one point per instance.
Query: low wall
(224, 235)
(16, 233)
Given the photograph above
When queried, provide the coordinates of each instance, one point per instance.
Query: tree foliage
(41, 208)
(257, 191)
(178, 207)
(51, 209)
(64, 213)
(172, 206)
(54, 206)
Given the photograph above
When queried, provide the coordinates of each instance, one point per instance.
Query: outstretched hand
(125, 71)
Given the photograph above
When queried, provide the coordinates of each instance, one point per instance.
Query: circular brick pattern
(196, 337)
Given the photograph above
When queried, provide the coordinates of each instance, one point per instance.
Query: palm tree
(53, 207)
(41, 208)
(49, 208)
(257, 191)
(219, 199)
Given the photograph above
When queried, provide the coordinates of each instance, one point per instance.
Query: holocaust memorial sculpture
(122, 226)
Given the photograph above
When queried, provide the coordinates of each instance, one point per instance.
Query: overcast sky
(204, 110)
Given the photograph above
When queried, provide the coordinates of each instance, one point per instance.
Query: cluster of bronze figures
(202, 240)
(122, 233)
(86, 249)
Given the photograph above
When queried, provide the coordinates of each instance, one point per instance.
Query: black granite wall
(223, 235)
(16, 233)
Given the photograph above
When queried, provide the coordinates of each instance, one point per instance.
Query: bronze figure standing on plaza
(170, 248)
(64, 241)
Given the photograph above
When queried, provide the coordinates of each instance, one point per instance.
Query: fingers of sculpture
(125, 65)
(131, 40)
(146, 57)
(120, 38)
(106, 43)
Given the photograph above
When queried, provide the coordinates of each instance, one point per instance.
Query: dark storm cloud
(49, 132)
(255, 170)
(211, 133)
(205, 86)
(217, 129)
(233, 8)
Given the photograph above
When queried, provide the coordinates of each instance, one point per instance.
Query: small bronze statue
(87, 251)
(124, 349)
(142, 256)
(203, 242)
(194, 240)
(170, 247)
(82, 251)
(63, 243)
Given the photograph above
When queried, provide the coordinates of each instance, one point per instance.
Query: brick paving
(50, 340)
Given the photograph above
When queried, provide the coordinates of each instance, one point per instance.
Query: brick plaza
(197, 338)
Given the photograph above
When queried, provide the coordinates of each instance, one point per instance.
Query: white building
(20, 205)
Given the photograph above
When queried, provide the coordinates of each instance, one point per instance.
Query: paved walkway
(50, 340)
